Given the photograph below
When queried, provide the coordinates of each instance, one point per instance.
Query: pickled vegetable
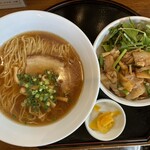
(104, 121)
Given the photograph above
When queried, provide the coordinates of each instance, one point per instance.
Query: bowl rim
(115, 104)
(96, 44)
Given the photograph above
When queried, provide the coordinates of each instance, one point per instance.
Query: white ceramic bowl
(107, 105)
(28, 136)
(97, 49)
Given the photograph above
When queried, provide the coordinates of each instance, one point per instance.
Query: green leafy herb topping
(40, 90)
(128, 35)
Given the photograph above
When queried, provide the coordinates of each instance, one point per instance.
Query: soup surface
(41, 78)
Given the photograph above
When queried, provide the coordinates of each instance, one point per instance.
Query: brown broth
(71, 79)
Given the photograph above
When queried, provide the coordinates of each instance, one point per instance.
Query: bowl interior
(24, 21)
(98, 50)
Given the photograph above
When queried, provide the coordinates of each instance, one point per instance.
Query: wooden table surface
(142, 7)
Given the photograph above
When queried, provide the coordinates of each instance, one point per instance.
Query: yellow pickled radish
(96, 108)
(104, 121)
(93, 124)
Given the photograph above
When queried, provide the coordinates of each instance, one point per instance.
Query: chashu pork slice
(37, 64)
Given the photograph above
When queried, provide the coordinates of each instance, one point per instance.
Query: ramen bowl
(26, 21)
(99, 50)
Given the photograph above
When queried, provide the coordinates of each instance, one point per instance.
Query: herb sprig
(128, 35)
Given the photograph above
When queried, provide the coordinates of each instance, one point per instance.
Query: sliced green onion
(119, 58)
(118, 68)
(51, 97)
(126, 92)
(37, 95)
(101, 60)
(147, 86)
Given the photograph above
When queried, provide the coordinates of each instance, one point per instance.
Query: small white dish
(107, 105)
